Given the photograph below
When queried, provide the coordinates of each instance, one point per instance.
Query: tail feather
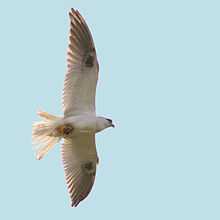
(47, 116)
(46, 147)
(42, 134)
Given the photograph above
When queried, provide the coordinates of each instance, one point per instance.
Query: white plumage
(79, 124)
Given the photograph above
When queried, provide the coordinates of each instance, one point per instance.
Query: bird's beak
(113, 125)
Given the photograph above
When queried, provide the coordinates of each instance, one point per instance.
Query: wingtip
(73, 14)
(73, 10)
(74, 204)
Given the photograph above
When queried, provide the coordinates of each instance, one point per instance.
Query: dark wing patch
(81, 47)
(89, 62)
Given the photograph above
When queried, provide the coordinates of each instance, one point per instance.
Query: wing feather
(82, 69)
(79, 158)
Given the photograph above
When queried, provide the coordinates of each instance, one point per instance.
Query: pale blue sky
(159, 82)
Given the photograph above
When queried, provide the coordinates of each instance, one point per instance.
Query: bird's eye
(109, 120)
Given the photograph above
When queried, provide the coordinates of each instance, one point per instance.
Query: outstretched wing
(82, 74)
(79, 159)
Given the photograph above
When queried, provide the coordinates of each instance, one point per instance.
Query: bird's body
(86, 123)
(79, 124)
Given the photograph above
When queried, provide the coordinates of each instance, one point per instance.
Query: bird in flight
(79, 124)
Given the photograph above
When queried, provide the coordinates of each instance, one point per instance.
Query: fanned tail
(43, 133)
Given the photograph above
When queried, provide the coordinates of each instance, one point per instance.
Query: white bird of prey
(79, 124)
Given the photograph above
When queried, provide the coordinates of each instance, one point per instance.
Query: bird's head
(103, 123)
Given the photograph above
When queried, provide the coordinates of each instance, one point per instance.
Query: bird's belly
(83, 124)
(84, 127)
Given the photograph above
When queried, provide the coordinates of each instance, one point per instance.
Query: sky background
(159, 82)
